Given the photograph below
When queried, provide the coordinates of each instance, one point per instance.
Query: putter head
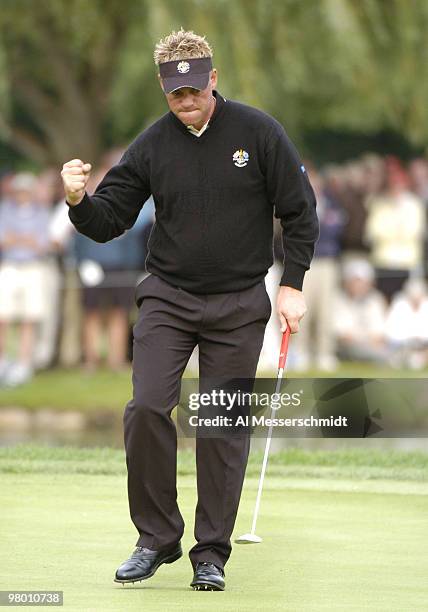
(248, 538)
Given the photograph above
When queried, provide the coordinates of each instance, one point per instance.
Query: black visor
(185, 73)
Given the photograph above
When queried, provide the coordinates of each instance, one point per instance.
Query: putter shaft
(281, 367)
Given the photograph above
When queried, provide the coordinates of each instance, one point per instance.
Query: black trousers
(229, 330)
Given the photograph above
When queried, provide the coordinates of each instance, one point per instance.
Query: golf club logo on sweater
(183, 67)
(240, 158)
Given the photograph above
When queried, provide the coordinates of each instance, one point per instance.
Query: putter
(252, 538)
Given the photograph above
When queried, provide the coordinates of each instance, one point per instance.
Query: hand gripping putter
(252, 538)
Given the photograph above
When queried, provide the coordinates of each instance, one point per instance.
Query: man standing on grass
(218, 170)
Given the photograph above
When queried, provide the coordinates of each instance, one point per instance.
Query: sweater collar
(218, 111)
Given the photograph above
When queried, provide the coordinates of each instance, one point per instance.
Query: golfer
(218, 171)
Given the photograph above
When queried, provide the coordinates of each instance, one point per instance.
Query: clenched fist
(75, 175)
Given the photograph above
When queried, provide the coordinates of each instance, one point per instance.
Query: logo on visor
(183, 67)
(240, 158)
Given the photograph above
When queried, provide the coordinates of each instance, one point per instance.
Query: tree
(60, 63)
(78, 75)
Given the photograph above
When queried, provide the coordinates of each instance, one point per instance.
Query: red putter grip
(284, 348)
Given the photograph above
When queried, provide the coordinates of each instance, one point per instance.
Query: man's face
(192, 106)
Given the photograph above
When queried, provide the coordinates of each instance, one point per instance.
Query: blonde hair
(181, 45)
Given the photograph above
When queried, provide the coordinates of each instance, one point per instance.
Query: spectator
(351, 198)
(374, 174)
(418, 173)
(360, 315)
(395, 231)
(24, 243)
(62, 234)
(46, 345)
(315, 338)
(407, 325)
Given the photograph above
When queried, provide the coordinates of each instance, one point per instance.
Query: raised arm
(116, 203)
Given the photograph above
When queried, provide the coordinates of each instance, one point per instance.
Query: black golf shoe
(144, 562)
(208, 577)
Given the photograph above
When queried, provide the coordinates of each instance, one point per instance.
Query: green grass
(362, 464)
(344, 542)
(71, 389)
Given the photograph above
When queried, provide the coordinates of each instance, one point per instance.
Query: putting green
(327, 545)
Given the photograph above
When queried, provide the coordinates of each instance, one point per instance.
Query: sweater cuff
(293, 275)
(80, 212)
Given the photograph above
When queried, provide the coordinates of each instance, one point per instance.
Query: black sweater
(215, 196)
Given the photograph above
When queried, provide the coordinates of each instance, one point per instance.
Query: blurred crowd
(366, 289)
(66, 300)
